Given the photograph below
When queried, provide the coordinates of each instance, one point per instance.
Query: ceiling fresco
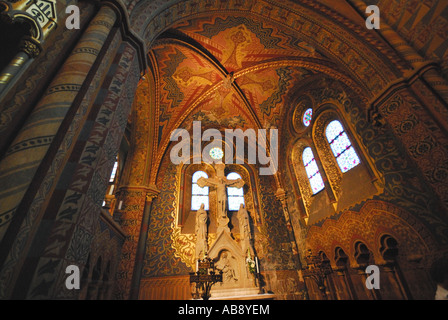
(228, 72)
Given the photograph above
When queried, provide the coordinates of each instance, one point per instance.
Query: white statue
(228, 270)
(201, 232)
(245, 234)
(220, 182)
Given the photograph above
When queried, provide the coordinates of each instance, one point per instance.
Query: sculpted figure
(245, 234)
(201, 232)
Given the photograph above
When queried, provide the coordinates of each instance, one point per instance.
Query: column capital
(31, 47)
(42, 19)
(149, 192)
(281, 195)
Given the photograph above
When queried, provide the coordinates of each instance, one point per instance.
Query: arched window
(111, 185)
(114, 172)
(198, 195)
(235, 196)
(307, 117)
(341, 146)
(312, 171)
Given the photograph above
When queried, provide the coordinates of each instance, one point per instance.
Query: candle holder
(204, 278)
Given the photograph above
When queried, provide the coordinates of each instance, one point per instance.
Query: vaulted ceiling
(242, 66)
(227, 71)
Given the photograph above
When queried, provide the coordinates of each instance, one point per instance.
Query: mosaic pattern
(263, 60)
(388, 152)
(162, 248)
(275, 252)
(424, 24)
(412, 140)
(168, 252)
(62, 230)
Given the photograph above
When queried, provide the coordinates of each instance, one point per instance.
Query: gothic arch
(373, 221)
(183, 240)
(300, 181)
(324, 114)
(186, 175)
(251, 188)
(303, 20)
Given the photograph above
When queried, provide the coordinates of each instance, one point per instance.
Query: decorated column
(29, 148)
(409, 54)
(42, 17)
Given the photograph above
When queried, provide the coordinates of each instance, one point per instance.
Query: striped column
(407, 52)
(27, 151)
(12, 69)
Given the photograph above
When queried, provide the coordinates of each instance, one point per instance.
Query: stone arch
(388, 248)
(340, 257)
(362, 255)
(303, 20)
(374, 220)
(175, 12)
(186, 174)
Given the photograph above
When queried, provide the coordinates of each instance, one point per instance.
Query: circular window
(216, 153)
(307, 116)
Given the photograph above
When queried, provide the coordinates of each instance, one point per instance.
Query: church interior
(356, 119)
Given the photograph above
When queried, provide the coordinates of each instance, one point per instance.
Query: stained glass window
(198, 195)
(312, 171)
(307, 116)
(235, 196)
(216, 153)
(341, 146)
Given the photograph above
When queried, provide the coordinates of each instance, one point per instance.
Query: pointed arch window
(312, 171)
(199, 195)
(341, 146)
(235, 196)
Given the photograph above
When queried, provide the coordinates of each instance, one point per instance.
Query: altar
(236, 260)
